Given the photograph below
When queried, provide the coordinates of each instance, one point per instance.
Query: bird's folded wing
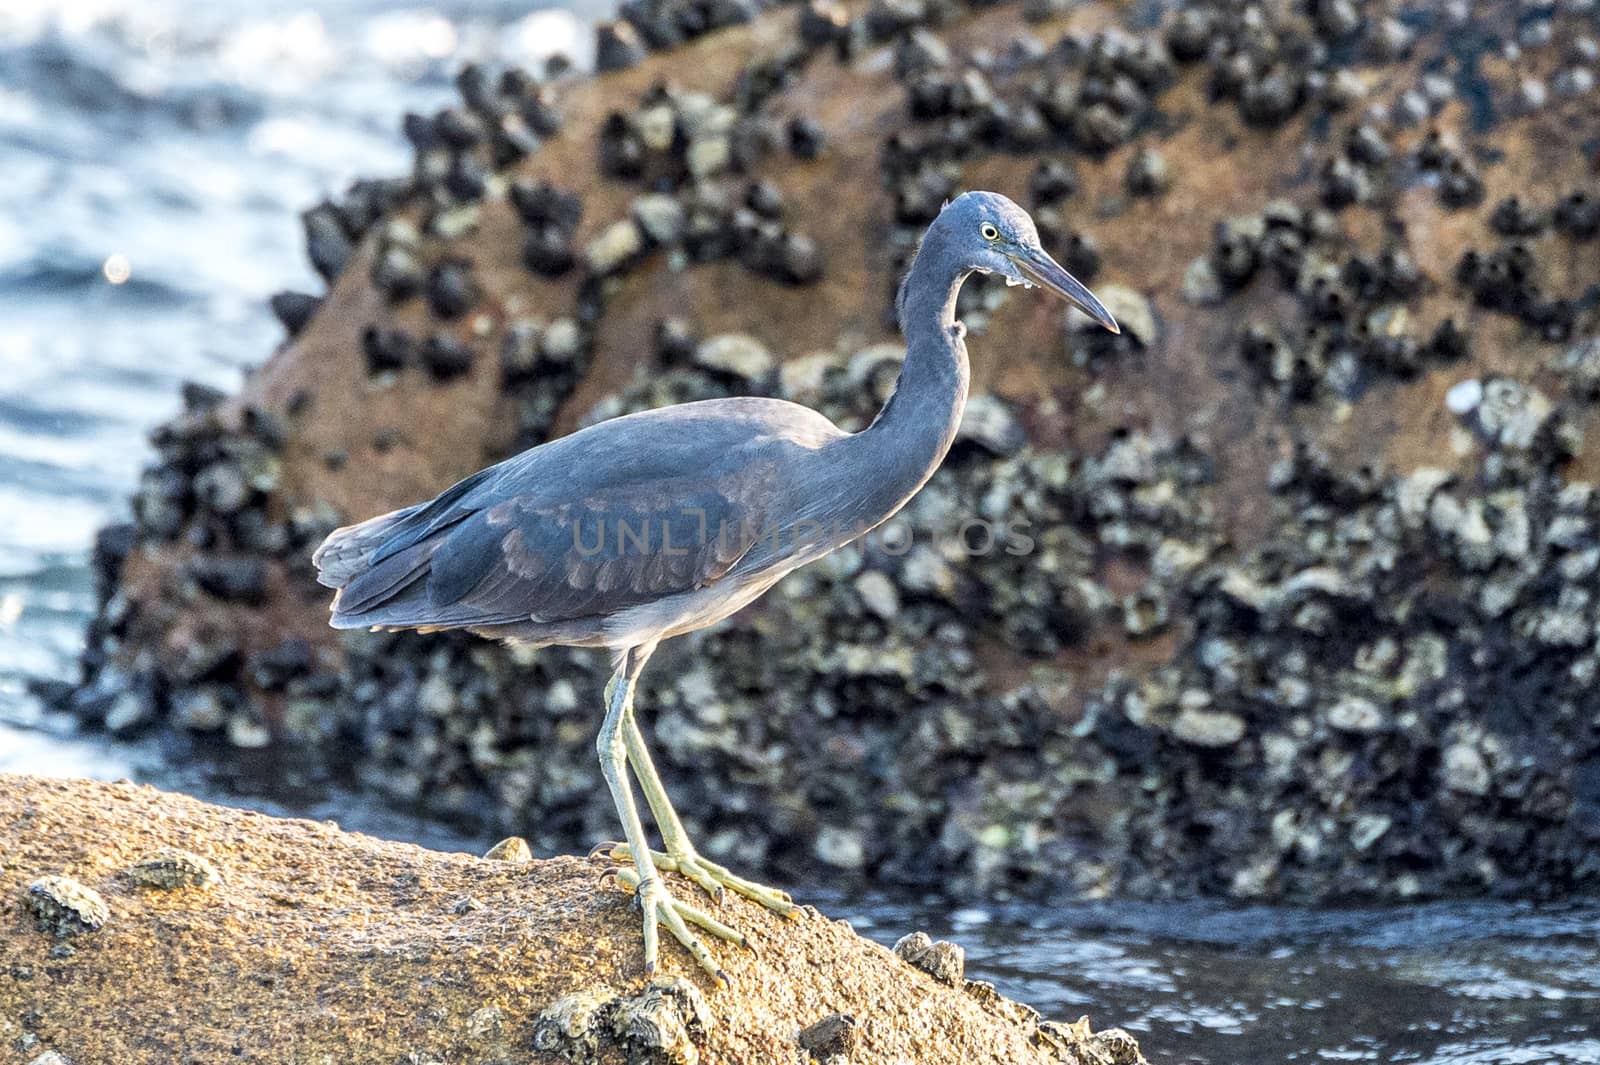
(523, 558)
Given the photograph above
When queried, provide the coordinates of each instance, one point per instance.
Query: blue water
(176, 143)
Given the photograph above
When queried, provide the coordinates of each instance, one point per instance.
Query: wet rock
(735, 354)
(940, 959)
(510, 849)
(295, 310)
(1132, 312)
(1465, 770)
(846, 848)
(563, 341)
(1357, 715)
(1208, 728)
(615, 248)
(235, 579)
(1052, 181)
(823, 22)
(666, 1022)
(709, 155)
(1460, 185)
(451, 291)
(990, 423)
(1271, 99)
(676, 341)
(832, 1037)
(61, 906)
(1082, 257)
(1235, 255)
(171, 869)
(465, 181)
(1098, 128)
(1147, 174)
(387, 349)
(794, 260)
(547, 251)
(1574, 82)
(661, 218)
(446, 357)
(199, 710)
(1577, 215)
(1513, 218)
(327, 244)
(1581, 366)
(541, 204)
(1345, 182)
(572, 1025)
(459, 127)
(520, 355)
(879, 595)
(397, 274)
(806, 379)
(1513, 415)
(221, 488)
(199, 398)
(1418, 593)
(617, 46)
(276, 667)
(1201, 284)
(806, 138)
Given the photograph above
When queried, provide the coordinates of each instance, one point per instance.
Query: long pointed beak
(1045, 272)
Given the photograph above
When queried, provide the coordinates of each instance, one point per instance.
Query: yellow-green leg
(656, 902)
(680, 855)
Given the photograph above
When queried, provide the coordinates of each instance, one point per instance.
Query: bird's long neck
(918, 423)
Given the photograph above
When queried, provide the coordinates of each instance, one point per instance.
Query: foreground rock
(1307, 607)
(297, 942)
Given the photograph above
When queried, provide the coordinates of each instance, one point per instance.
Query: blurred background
(156, 157)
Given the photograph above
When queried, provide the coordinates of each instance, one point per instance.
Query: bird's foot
(659, 906)
(714, 878)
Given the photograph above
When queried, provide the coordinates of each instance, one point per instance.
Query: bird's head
(992, 235)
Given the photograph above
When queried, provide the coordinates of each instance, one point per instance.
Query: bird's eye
(989, 231)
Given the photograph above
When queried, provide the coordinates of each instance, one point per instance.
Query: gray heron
(648, 526)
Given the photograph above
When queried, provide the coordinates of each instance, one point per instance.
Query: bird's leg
(655, 901)
(680, 855)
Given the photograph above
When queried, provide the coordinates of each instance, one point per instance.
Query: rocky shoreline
(141, 926)
(1309, 608)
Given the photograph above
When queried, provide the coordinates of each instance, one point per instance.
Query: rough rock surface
(319, 945)
(1304, 605)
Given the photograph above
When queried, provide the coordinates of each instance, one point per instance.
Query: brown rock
(324, 944)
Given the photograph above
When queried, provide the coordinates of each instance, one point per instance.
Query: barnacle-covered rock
(1192, 609)
(457, 957)
(62, 906)
(940, 959)
(171, 868)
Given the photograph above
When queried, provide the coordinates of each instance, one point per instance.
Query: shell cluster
(172, 869)
(61, 906)
(1244, 649)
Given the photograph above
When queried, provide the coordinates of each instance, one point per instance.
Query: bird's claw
(713, 878)
(609, 848)
(659, 907)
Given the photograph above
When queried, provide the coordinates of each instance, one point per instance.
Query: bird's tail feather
(380, 565)
(378, 595)
(345, 552)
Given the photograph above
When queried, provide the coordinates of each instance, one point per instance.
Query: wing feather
(524, 559)
(544, 536)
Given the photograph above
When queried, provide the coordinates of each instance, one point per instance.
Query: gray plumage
(653, 524)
